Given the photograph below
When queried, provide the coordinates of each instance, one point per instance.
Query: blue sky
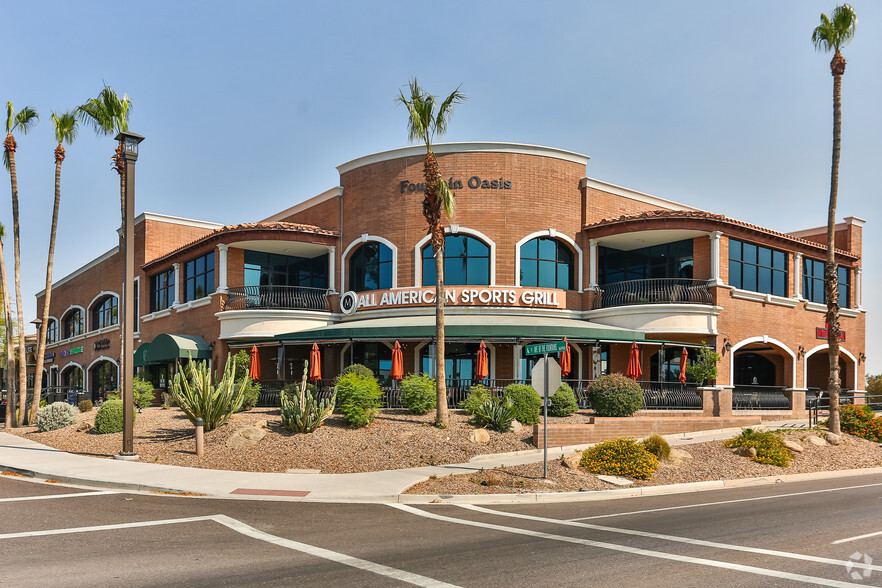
(248, 107)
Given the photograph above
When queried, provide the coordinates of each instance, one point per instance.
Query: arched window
(52, 331)
(105, 313)
(546, 263)
(370, 267)
(466, 262)
(73, 323)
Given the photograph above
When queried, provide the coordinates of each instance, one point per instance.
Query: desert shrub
(303, 412)
(620, 457)
(525, 402)
(615, 396)
(656, 445)
(357, 368)
(55, 416)
(143, 391)
(860, 421)
(769, 447)
(112, 396)
(85, 405)
(563, 402)
(201, 396)
(478, 395)
(251, 394)
(418, 393)
(109, 418)
(494, 415)
(358, 397)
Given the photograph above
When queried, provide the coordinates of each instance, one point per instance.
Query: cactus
(304, 412)
(193, 390)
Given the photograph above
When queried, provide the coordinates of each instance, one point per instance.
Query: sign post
(546, 374)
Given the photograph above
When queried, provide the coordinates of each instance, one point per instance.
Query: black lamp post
(130, 156)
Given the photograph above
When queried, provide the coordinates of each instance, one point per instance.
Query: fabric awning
(141, 355)
(165, 348)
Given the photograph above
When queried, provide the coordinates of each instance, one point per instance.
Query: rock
(479, 436)
(572, 462)
(679, 454)
(814, 440)
(615, 480)
(246, 437)
(792, 445)
(745, 451)
(84, 427)
(832, 438)
(516, 427)
(261, 424)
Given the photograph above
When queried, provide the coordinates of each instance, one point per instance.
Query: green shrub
(357, 368)
(55, 416)
(656, 445)
(251, 394)
(494, 415)
(358, 397)
(860, 421)
(478, 395)
(705, 367)
(302, 411)
(109, 418)
(112, 396)
(769, 447)
(85, 405)
(563, 402)
(620, 457)
(418, 393)
(143, 391)
(525, 402)
(43, 402)
(201, 396)
(615, 396)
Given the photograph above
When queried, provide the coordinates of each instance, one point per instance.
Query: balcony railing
(654, 291)
(276, 297)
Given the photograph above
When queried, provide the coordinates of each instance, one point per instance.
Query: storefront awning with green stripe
(465, 326)
(165, 348)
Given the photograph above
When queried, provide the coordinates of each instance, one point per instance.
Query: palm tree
(833, 33)
(9, 372)
(424, 124)
(65, 132)
(22, 121)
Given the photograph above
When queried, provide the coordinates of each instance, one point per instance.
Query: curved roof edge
(465, 147)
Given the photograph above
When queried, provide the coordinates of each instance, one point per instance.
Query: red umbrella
(397, 371)
(684, 357)
(254, 369)
(634, 370)
(481, 372)
(565, 366)
(315, 363)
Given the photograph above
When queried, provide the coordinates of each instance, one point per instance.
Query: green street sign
(542, 348)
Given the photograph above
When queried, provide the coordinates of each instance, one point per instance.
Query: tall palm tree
(22, 121)
(65, 132)
(424, 124)
(9, 372)
(833, 33)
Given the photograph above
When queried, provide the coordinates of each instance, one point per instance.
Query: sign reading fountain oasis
(453, 296)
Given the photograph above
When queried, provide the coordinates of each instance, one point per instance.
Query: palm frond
(835, 31)
(66, 127)
(26, 119)
(445, 197)
(446, 110)
(108, 114)
(6, 162)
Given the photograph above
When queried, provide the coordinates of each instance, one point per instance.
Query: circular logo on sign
(349, 302)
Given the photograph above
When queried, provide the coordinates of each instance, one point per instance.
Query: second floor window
(199, 277)
(466, 262)
(162, 290)
(757, 268)
(73, 323)
(546, 263)
(105, 313)
(370, 268)
(52, 331)
(813, 282)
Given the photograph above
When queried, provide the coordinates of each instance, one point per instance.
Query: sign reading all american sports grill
(454, 296)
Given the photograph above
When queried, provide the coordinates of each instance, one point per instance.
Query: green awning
(466, 326)
(141, 355)
(165, 348)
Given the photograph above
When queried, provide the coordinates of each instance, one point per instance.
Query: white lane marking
(628, 549)
(249, 531)
(855, 539)
(51, 496)
(674, 538)
(735, 501)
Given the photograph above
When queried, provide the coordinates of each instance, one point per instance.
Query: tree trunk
(9, 372)
(831, 287)
(22, 359)
(442, 418)
(44, 316)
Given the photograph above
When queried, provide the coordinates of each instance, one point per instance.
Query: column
(222, 268)
(858, 295)
(177, 300)
(797, 272)
(332, 269)
(592, 264)
(715, 258)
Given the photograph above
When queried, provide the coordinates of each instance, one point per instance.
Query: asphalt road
(798, 534)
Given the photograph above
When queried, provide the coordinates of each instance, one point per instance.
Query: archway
(103, 378)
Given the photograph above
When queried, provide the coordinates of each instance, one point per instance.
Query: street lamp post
(130, 143)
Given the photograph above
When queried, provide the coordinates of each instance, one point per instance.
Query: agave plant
(196, 392)
(495, 416)
(304, 412)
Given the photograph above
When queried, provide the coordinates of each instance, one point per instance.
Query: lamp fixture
(801, 351)
(862, 357)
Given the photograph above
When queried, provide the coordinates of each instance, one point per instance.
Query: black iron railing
(760, 398)
(276, 297)
(654, 291)
(819, 405)
(671, 396)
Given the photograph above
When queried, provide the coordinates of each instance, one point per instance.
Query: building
(537, 251)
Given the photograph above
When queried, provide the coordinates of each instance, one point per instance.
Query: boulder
(516, 427)
(832, 439)
(745, 451)
(572, 462)
(679, 454)
(479, 436)
(814, 440)
(615, 480)
(246, 437)
(84, 427)
(792, 445)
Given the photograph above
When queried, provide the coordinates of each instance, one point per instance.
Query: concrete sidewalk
(25, 456)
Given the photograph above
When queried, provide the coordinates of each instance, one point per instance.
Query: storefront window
(460, 360)
(105, 313)
(375, 356)
(199, 277)
(757, 268)
(546, 263)
(813, 282)
(466, 262)
(670, 367)
(370, 268)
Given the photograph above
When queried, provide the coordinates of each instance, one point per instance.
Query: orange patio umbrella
(481, 371)
(634, 370)
(684, 357)
(315, 363)
(254, 369)
(565, 366)
(397, 371)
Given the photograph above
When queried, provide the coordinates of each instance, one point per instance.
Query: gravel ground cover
(397, 440)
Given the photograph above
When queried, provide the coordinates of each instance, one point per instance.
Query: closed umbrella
(397, 371)
(684, 357)
(254, 369)
(634, 370)
(481, 372)
(315, 363)
(565, 366)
